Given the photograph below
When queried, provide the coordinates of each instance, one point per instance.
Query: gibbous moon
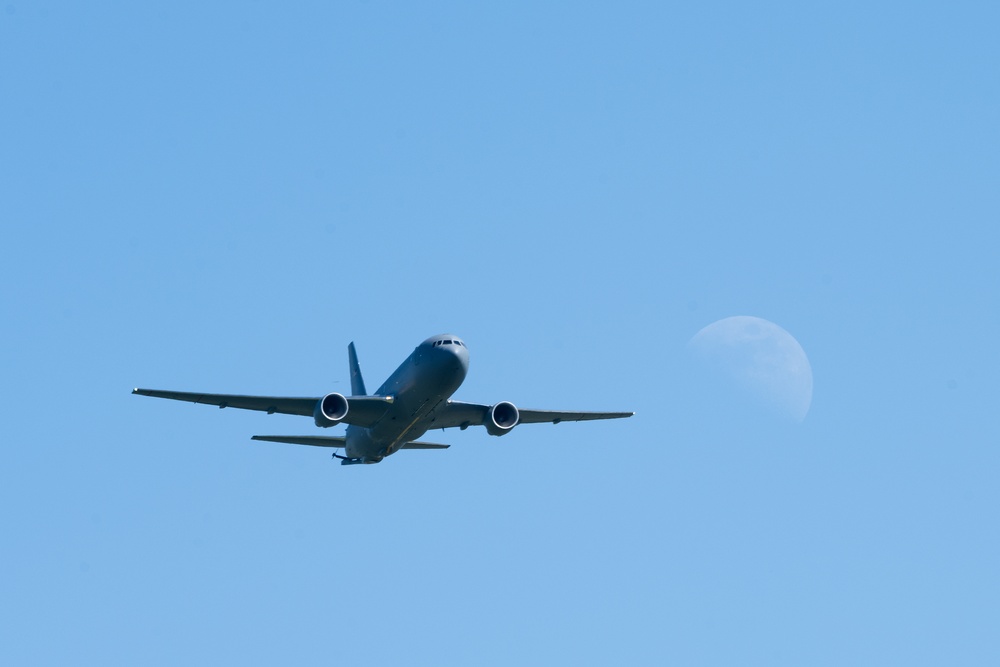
(763, 360)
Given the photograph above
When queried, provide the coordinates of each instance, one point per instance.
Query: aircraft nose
(459, 355)
(463, 358)
(450, 352)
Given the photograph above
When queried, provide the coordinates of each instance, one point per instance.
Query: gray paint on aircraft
(414, 399)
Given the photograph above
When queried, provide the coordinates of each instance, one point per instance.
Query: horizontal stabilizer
(334, 441)
(313, 440)
(423, 445)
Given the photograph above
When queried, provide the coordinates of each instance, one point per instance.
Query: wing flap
(457, 413)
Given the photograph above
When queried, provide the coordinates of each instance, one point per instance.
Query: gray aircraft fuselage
(414, 399)
(428, 377)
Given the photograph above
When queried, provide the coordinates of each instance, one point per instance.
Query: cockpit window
(447, 342)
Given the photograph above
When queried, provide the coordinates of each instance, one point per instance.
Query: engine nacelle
(330, 410)
(501, 418)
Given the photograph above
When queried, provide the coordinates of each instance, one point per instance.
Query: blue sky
(220, 198)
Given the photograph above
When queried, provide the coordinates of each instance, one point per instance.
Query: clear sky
(221, 196)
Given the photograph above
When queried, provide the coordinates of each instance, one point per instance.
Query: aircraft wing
(556, 416)
(361, 411)
(457, 413)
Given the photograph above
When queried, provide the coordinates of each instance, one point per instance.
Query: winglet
(357, 382)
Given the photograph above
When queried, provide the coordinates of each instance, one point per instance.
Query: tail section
(357, 382)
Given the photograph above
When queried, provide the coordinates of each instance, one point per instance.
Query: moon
(764, 361)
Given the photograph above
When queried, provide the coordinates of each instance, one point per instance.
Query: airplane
(415, 399)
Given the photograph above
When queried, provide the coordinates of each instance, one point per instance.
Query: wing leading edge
(362, 410)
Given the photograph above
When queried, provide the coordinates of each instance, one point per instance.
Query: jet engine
(501, 418)
(330, 410)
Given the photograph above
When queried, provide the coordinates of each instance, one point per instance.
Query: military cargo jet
(415, 399)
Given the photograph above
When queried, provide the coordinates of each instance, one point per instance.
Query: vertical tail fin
(357, 382)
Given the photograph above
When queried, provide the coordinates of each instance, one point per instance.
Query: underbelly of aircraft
(402, 423)
(418, 393)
